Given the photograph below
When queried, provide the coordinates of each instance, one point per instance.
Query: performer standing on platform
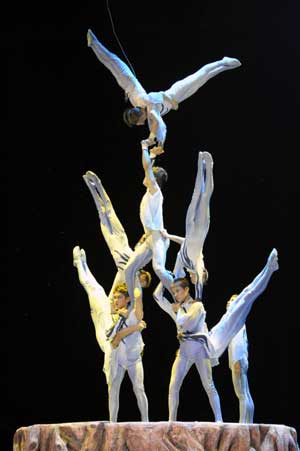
(197, 223)
(154, 105)
(118, 335)
(238, 363)
(151, 214)
(113, 233)
(199, 347)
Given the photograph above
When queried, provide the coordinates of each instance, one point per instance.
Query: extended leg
(114, 394)
(241, 388)
(140, 257)
(180, 369)
(136, 374)
(114, 64)
(236, 315)
(185, 88)
(112, 229)
(205, 372)
(159, 249)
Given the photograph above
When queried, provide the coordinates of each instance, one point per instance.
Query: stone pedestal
(155, 436)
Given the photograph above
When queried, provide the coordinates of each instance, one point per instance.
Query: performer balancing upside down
(113, 232)
(119, 335)
(152, 106)
(197, 224)
(238, 363)
(199, 347)
(151, 214)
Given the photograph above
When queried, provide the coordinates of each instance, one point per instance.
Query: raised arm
(177, 239)
(147, 165)
(163, 302)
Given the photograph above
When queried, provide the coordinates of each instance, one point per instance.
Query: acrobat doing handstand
(153, 105)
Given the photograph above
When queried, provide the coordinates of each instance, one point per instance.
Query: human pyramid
(118, 317)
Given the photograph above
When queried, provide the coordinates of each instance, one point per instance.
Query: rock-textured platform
(156, 436)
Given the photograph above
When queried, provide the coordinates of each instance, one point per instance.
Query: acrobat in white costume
(123, 333)
(151, 106)
(238, 364)
(113, 232)
(190, 255)
(199, 347)
(151, 214)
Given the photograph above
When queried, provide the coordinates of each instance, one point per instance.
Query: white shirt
(151, 214)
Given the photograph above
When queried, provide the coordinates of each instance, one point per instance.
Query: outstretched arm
(157, 127)
(177, 239)
(163, 302)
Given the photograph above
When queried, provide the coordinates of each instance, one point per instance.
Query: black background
(62, 111)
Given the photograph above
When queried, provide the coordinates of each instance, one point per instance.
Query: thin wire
(118, 40)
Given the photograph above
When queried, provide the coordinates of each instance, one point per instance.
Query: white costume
(112, 229)
(198, 346)
(197, 223)
(154, 247)
(127, 356)
(238, 363)
(159, 103)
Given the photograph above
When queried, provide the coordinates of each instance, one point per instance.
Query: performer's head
(135, 116)
(193, 276)
(145, 278)
(181, 289)
(161, 175)
(121, 297)
(233, 297)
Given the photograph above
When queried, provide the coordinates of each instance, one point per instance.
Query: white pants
(155, 248)
(235, 317)
(192, 352)
(136, 375)
(197, 223)
(242, 391)
(179, 91)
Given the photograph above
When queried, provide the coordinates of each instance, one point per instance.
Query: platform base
(156, 436)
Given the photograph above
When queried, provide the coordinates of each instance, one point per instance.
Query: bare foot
(273, 260)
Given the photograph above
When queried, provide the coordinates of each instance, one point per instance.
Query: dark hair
(122, 288)
(160, 174)
(148, 276)
(132, 115)
(183, 282)
(205, 276)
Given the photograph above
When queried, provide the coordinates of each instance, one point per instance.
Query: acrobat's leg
(85, 276)
(112, 229)
(140, 257)
(159, 249)
(114, 64)
(236, 315)
(136, 374)
(178, 270)
(185, 88)
(192, 210)
(241, 388)
(114, 394)
(205, 372)
(180, 369)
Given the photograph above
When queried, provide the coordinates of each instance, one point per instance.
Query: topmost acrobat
(153, 105)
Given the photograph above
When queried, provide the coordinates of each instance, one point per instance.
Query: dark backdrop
(62, 110)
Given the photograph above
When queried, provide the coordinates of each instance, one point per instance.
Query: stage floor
(156, 436)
